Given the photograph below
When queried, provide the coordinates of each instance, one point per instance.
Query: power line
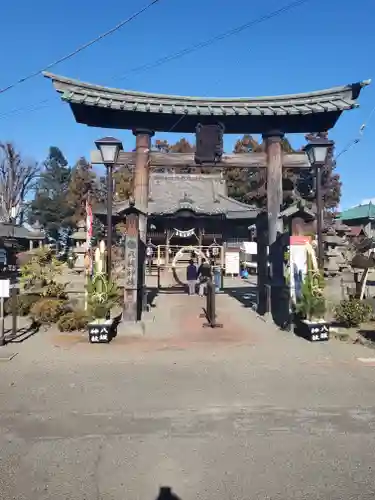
(359, 136)
(81, 48)
(192, 48)
(30, 108)
(217, 38)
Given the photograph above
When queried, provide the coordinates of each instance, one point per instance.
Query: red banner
(89, 222)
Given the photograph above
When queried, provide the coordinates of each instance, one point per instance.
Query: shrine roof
(366, 211)
(198, 193)
(99, 106)
(9, 230)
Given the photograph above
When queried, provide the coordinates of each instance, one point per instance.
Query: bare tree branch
(17, 179)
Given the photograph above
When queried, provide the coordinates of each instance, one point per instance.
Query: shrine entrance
(209, 119)
(172, 261)
(181, 260)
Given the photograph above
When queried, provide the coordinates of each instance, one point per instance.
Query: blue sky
(317, 45)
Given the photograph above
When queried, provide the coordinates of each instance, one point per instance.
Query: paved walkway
(245, 412)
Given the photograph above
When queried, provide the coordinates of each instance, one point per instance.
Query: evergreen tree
(331, 184)
(82, 187)
(182, 146)
(123, 183)
(244, 185)
(50, 205)
(251, 187)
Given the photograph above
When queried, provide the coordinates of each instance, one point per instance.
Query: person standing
(204, 274)
(191, 276)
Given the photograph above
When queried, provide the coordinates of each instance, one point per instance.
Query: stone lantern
(37, 234)
(80, 248)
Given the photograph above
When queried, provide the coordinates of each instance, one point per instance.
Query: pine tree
(331, 184)
(123, 183)
(243, 185)
(50, 205)
(81, 188)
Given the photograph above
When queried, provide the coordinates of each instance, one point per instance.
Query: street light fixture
(109, 148)
(317, 151)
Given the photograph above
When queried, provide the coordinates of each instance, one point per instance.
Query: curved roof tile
(234, 112)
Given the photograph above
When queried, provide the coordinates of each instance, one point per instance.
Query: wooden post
(200, 238)
(159, 261)
(141, 188)
(274, 182)
(262, 263)
(166, 258)
(141, 176)
(274, 156)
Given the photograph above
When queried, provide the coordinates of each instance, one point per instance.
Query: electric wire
(81, 48)
(187, 50)
(359, 135)
(216, 38)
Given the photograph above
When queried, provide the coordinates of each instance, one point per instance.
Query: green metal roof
(359, 212)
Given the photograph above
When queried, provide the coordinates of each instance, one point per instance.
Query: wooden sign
(100, 333)
(131, 268)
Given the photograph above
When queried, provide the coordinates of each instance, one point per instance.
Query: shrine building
(191, 209)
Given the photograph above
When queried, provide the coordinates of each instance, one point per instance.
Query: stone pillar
(274, 203)
(31, 245)
(132, 300)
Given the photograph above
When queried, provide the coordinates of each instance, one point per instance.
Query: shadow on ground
(152, 293)
(368, 334)
(22, 334)
(176, 290)
(166, 493)
(246, 295)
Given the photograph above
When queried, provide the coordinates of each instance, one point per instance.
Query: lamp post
(317, 151)
(109, 148)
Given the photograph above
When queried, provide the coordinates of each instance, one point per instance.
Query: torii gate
(145, 113)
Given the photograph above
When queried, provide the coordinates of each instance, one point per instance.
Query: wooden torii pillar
(141, 195)
(270, 281)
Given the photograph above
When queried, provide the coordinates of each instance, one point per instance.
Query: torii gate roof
(98, 106)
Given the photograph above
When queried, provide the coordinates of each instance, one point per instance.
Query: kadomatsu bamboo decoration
(102, 294)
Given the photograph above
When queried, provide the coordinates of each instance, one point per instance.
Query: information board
(232, 263)
(4, 289)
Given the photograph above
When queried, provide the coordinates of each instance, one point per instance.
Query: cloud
(366, 202)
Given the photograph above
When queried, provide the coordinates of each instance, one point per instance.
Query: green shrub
(55, 290)
(24, 304)
(48, 310)
(40, 270)
(352, 312)
(73, 321)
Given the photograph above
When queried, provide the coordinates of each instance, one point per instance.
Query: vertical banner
(89, 224)
(88, 256)
(298, 264)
